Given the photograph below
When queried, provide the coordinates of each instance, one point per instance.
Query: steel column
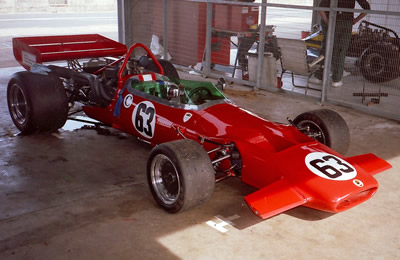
(329, 48)
(316, 18)
(165, 33)
(207, 67)
(121, 21)
(261, 45)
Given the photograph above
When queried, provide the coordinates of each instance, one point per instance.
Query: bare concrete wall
(26, 6)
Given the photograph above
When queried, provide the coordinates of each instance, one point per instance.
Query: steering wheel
(200, 89)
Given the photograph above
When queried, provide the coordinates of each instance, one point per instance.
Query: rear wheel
(380, 62)
(37, 102)
(180, 175)
(169, 69)
(325, 126)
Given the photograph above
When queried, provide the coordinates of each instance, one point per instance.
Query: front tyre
(36, 102)
(325, 126)
(180, 175)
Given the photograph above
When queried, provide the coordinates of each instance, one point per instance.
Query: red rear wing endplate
(29, 50)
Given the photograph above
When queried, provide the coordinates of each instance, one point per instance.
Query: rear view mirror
(221, 84)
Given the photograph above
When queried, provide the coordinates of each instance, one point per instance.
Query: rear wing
(30, 50)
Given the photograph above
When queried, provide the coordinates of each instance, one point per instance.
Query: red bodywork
(288, 168)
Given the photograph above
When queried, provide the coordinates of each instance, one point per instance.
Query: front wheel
(37, 102)
(180, 175)
(325, 126)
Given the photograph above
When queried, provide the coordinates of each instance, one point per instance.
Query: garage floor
(83, 195)
(351, 92)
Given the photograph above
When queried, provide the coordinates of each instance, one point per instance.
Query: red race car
(199, 136)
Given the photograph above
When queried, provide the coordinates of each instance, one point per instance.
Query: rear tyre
(37, 102)
(325, 126)
(169, 69)
(380, 62)
(180, 175)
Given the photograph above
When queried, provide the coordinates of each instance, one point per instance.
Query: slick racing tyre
(325, 126)
(169, 69)
(380, 62)
(180, 175)
(37, 102)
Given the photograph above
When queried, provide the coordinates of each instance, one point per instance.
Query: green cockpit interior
(187, 92)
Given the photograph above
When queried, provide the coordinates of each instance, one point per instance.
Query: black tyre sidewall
(169, 69)
(335, 129)
(27, 127)
(47, 104)
(391, 66)
(196, 174)
(179, 204)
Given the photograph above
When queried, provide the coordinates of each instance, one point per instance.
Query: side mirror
(221, 84)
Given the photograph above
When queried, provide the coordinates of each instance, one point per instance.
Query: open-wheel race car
(198, 135)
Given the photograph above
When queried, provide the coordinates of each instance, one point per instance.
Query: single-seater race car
(199, 136)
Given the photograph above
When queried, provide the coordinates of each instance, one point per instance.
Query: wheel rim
(375, 64)
(165, 179)
(18, 104)
(312, 130)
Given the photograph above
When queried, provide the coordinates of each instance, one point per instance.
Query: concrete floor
(81, 195)
(354, 83)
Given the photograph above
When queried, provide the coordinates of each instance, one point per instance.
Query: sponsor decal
(28, 59)
(147, 77)
(250, 20)
(330, 167)
(128, 100)
(187, 117)
(358, 183)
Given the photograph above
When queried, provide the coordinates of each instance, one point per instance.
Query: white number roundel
(330, 167)
(144, 119)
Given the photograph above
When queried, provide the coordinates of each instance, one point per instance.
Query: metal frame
(125, 37)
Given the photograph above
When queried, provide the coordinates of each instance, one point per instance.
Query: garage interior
(83, 194)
